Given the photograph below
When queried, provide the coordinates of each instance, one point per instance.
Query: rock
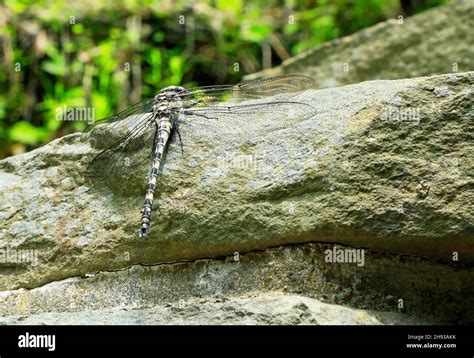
(383, 165)
(436, 41)
(271, 309)
(213, 290)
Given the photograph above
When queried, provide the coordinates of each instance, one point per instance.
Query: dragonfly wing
(124, 150)
(252, 90)
(143, 107)
(238, 123)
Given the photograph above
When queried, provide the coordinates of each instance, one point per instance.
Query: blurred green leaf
(158, 36)
(324, 29)
(56, 67)
(77, 29)
(233, 5)
(256, 32)
(24, 132)
(100, 104)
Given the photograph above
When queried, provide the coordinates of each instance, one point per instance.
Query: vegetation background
(107, 55)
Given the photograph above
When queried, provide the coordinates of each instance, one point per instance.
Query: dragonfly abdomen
(165, 126)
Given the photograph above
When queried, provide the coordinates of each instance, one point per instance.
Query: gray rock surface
(433, 42)
(383, 165)
(385, 282)
(271, 309)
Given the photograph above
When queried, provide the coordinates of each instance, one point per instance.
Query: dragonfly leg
(193, 113)
(176, 128)
(192, 103)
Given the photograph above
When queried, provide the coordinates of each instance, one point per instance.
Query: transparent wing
(142, 107)
(252, 90)
(239, 123)
(123, 154)
(211, 95)
(230, 135)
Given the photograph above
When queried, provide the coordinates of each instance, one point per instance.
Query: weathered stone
(269, 309)
(385, 165)
(385, 282)
(436, 41)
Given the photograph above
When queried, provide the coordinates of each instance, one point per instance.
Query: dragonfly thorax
(168, 101)
(169, 92)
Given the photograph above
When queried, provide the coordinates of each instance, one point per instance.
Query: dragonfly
(153, 123)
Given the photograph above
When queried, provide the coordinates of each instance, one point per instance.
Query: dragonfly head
(172, 90)
(170, 93)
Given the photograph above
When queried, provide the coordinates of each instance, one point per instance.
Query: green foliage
(92, 54)
(25, 132)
